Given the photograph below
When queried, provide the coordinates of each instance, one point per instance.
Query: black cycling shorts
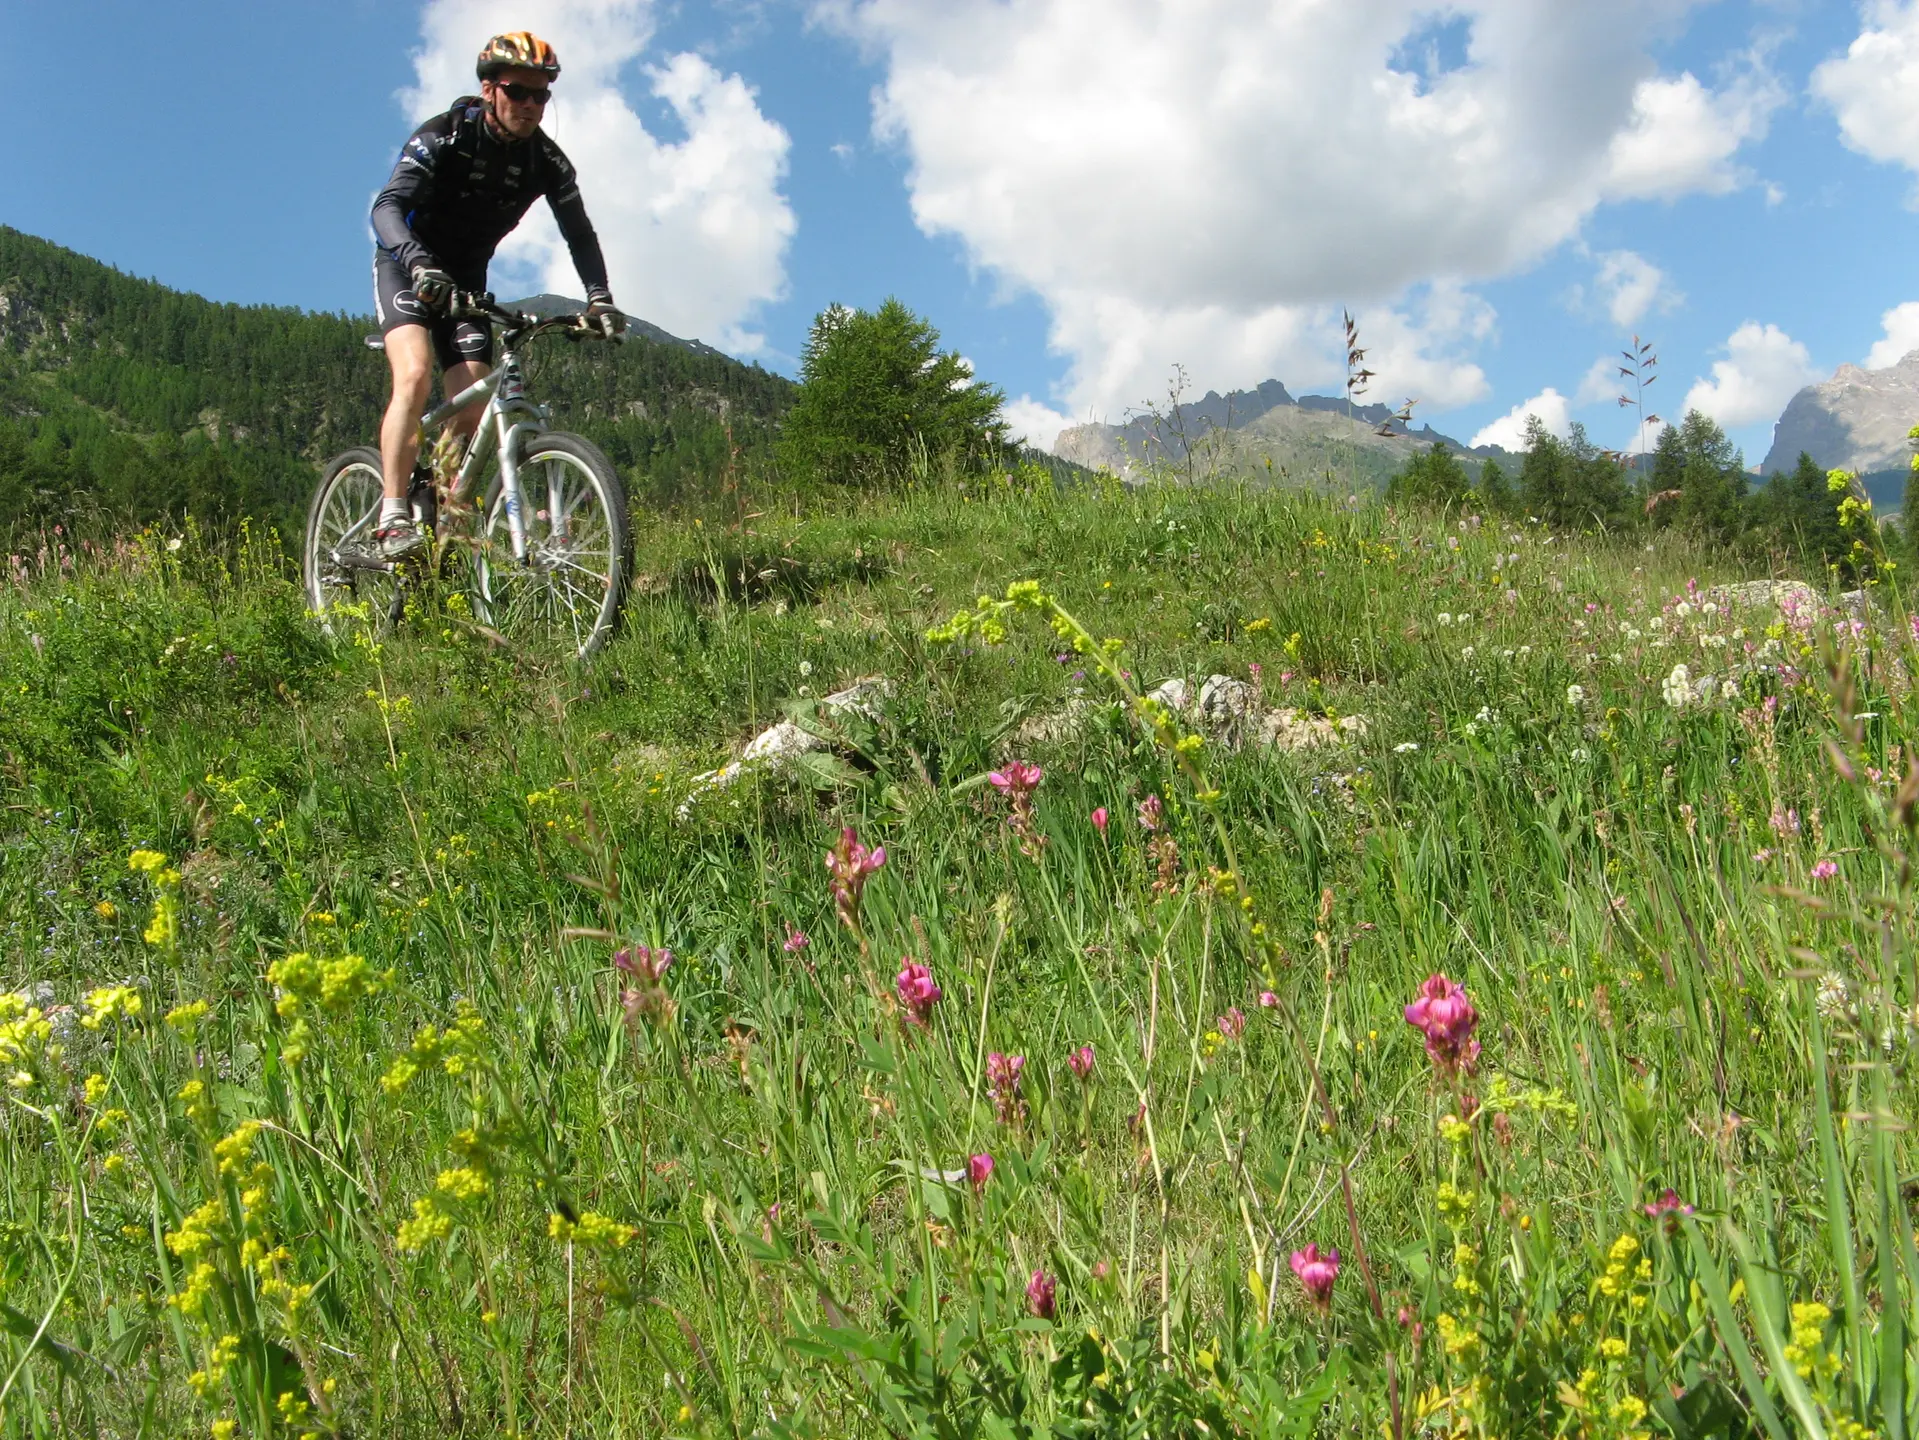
(395, 304)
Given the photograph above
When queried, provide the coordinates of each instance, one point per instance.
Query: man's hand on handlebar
(432, 286)
(604, 316)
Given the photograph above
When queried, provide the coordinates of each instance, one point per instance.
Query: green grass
(754, 1233)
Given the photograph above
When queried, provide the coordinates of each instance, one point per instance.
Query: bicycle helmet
(518, 49)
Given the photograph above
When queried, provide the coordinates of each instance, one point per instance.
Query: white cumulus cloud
(1632, 287)
(1602, 381)
(1871, 87)
(1901, 325)
(1208, 181)
(1683, 135)
(695, 230)
(1509, 430)
(1763, 369)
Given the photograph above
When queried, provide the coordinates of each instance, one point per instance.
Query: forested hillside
(122, 396)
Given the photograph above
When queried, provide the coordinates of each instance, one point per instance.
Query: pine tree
(876, 392)
(1431, 477)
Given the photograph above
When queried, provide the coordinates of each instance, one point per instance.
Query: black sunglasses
(523, 94)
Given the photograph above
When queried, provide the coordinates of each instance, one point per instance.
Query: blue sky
(1078, 193)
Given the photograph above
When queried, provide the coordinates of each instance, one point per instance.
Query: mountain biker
(463, 181)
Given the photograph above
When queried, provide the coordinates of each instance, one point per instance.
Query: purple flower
(1041, 1294)
(796, 940)
(918, 994)
(649, 967)
(849, 863)
(979, 1169)
(1232, 1024)
(1316, 1274)
(1150, 813)
(1002, 1082)
(1016, 780)
(647, 997)
(1825, 870)
(1444, 1015)
(1080, 1062)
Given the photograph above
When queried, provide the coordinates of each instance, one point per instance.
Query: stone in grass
(777, 747)
(1794, 599)
(1225, 710)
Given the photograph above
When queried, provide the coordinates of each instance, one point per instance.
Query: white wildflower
(1580, 755)
(1677, 688)
(1405, 747)
(1575, 695)
(1683, 610)
(1443, 619)
(1835, 996)
(1467, 653)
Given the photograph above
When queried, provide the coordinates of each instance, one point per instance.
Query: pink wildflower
(979, 1169)
(1019, 778)
(1080, 1062)
(1668, 1204)
(1232, 1024)
(647, 997)
(644, 965)
(850, 864)
(1668, 1209)
(1784, 821)
(1150, 813)
(1447, 1019)
(917, 992)
(1825, 870)
(1316, 1274)
(1099, 819)
(796, 940)
(1017, 782)
(1041, 1293)
(1002, 1082)
(1268, 1000)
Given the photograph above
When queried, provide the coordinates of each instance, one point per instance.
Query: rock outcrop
(1855, 421)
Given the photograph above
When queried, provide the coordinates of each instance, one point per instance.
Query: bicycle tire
(554, 594)
(349, 488)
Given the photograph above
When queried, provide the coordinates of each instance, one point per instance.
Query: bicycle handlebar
(472, 305)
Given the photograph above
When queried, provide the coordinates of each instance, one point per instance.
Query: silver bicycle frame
(505, 427)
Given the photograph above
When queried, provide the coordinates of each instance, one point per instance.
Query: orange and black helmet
(520, 49)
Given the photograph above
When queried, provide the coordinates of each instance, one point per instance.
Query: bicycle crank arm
(351, 561)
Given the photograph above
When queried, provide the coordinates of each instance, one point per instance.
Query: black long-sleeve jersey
(459, 188)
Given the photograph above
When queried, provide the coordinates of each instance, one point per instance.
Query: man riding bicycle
(463, 181)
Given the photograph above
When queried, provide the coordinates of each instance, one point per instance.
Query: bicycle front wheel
(570, 586)
(341, 567)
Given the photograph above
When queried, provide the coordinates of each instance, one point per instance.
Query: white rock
(777, 745)
(1228, 710)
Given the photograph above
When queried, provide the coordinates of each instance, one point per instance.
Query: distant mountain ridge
(1857, 421)
(1263, 431)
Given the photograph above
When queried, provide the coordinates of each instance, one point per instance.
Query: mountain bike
(541, 557)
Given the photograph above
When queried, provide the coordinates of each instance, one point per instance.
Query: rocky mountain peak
(1855, 421)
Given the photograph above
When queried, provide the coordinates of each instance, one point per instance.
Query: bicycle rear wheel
(573, 581)
(340, 566)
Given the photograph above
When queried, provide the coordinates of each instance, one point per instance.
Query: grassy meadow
(400, 1040)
